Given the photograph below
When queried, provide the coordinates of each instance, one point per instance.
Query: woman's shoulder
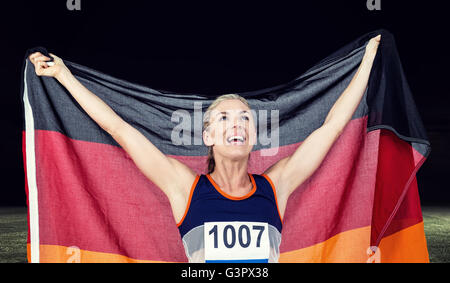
(263, 179)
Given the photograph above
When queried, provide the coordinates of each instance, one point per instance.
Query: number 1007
(243, 235)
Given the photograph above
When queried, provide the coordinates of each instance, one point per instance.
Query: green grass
(437, 231)
(13, 233)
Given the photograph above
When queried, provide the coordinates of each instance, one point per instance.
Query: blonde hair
(206, 123)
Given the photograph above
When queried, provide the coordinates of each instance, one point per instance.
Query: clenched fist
(49, 69)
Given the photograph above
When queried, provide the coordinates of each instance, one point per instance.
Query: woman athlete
(227, 214)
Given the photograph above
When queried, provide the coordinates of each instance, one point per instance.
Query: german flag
(88, 202)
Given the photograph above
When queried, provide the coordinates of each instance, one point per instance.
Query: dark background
(216, 48)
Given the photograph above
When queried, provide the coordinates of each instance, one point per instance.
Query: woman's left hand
(372, 47)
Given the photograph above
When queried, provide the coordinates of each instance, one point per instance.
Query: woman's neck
(232, 176)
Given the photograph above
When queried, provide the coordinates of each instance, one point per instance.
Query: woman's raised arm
(290, 172)
(171, 176)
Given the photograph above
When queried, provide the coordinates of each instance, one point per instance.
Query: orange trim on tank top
(189, 200)
(230, 196)
(274, 193)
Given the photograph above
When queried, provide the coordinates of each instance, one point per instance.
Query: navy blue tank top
(217, 227)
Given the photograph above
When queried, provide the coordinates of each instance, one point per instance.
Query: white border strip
(31, 173)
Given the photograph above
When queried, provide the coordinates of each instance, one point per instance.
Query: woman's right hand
(42, 68)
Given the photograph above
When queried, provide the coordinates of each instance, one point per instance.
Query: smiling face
(231, 130)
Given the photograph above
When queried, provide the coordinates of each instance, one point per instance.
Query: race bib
(236, 242)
